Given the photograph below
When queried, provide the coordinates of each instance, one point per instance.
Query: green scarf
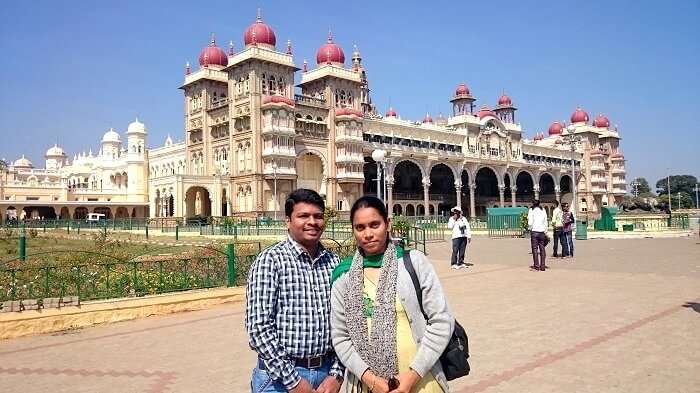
(367, 261)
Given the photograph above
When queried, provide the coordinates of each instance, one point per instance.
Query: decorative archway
(64, 214)
(420, 210)
(104, 210)
(410, 210)
(122, 212)
(525, 187)
(397, 210)
(197, 202)
(486, 193)
(309, 167)
(408, 177)
(442, 186)
(547, 188)
(80, 213)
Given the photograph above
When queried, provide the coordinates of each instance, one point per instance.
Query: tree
(642, 186)
(679, 183)
(687, 201)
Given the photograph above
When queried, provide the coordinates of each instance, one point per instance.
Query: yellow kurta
(405, 347)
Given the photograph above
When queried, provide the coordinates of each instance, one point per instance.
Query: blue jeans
(569, 246)
(262, 382)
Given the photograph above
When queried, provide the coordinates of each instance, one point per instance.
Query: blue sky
(72, 69)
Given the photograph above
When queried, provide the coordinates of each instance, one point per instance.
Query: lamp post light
(679, 201)
(274, 177)
(572, 140)
(697, 205)
(635, 188)
(379, 156)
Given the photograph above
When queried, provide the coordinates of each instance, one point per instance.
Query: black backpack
(454, 359)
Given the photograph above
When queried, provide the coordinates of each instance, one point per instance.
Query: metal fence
(44, 281)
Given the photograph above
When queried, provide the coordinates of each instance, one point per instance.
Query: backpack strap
(414, 278)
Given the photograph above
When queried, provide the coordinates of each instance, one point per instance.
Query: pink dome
(601, 121)
(213, 55)
(428, 118)
(330, 52)
(485, 111)
(505, 100)
(462, 90)
(277, 100)
(556, 128)
(390, 113)
(349, 112)
(259, 33)
(579, 116)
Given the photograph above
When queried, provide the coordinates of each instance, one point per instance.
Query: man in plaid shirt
(288, 306)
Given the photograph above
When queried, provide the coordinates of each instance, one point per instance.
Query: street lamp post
(668, 188)
(635, 188)
(379, 156)
(697, 205)
(572, 139)
(274, 177)
(679, 201)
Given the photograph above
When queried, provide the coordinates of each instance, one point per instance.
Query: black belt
(311, 363)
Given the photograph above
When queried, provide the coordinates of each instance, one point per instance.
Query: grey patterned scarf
(379, 349)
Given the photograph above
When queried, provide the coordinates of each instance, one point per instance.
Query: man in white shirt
(537, 222)
(558, 225)
(461, 235)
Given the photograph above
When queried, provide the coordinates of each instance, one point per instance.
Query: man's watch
(338, 377)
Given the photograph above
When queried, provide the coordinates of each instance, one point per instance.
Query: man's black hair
(303, 195)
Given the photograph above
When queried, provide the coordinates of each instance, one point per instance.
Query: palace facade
(251, 133)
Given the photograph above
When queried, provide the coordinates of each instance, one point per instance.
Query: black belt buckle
(314, 362)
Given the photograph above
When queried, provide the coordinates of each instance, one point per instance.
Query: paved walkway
(623, 316)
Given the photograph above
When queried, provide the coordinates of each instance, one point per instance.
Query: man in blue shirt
(288, 306)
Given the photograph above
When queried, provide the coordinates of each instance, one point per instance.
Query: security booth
(506, 221)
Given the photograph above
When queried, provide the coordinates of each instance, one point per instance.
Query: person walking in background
(537, 223)
(568, 221)
(461, 236)
(558, 229)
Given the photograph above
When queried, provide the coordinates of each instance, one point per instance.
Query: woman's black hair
(372, 202)
(536, 203)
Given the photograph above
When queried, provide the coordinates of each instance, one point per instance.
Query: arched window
(263, 82)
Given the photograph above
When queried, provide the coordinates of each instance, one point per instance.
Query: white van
(94, 217)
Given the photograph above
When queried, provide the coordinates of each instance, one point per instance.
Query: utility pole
(679, 201)
(668, 188)
(697, 205)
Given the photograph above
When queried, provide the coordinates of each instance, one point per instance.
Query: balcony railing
(218, 104)
(302, 99)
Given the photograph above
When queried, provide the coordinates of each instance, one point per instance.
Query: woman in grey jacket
(377, 327)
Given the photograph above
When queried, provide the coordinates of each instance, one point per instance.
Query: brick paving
(622, 316)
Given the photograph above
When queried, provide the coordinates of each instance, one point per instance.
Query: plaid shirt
(288, 308)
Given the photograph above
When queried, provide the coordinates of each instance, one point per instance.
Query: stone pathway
(623, 316)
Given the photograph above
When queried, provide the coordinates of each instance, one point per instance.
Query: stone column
(513, 190)
(537, 191)
(557, 192)
(390, 197)
(472, 210)
(458, 186)
(426, 195)
(501, 194)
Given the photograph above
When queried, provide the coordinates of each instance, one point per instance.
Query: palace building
(251, 133)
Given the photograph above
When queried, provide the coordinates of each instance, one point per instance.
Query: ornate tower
(136, 162)
(463, 101)
(505, 109)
